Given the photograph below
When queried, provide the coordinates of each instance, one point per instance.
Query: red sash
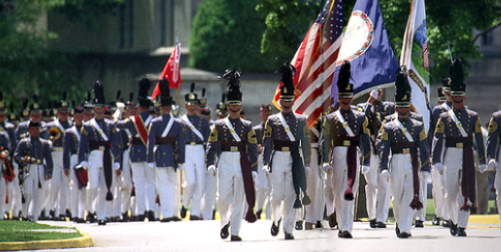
(141, 129)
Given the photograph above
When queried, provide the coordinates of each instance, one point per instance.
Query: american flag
(315, 62)
(425, 54)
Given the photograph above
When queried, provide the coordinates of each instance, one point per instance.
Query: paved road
(204, 236)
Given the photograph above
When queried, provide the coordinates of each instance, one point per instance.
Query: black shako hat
(202, 103)
(458, 86)
(221, 106)
(440, 92)
(144, 86)
(287, 84)
(98, 94)
(233, 95)
(446, 83)
(345, 88)
(35, 106)
(191, 97)
(63, 104)
(165, 97)
(403, 89)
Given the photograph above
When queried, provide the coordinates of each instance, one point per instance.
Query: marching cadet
(345, 132)
(377, 189)
(33, 154)
(35, 114)
(454, 132)
(235, 144)
(6, 172)
(12, 189)
(59, 184)
(438, 179)
(78, 177)
(405, 138)
(196, 130)
(166, 151)
(493, 151)
(315, 181)
(287, 170)
(142, 175)
(99, 144)
(263, 186)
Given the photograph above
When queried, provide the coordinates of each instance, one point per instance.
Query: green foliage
(78, 10)
(227, 34)
(449, 22)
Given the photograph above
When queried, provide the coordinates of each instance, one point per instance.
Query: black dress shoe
(332, 220)
(125, 217)
(288, 236)
(235, 238)
(91, 217)
(183, 212)
(419, 224)
(194, 218)
(68, 214)
(224, 231)
(397, 231)
(344, 234)
(404, 235)
(151, 215)
(175, 218)
(101, 222)
(258, 213)
(308, 226)
(453, 229)
(275, 228)
(446, 223)
(461, 232)
(299, 225)
(79, 220)
(436, 221)
(372, 223)
(165, 220)
(318, 224)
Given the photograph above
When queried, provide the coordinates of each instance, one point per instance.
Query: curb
(85, 241)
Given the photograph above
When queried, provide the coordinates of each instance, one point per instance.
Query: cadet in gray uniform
(284, 133)
(405, 137)
(31, 153)
(263, 184)
(456, 129)
(234, 142)
(7, 130)
(166, 152)
(346, 136)
(493, 151)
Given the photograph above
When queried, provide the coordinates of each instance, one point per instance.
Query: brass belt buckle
(346, 143)
(234, 148)
(459, 145)
(406, 150)
(193, 143)
(286, 148)
(101, 147)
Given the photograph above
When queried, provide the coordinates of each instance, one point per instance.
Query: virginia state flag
(171, 72)
(415, 58)
(366, 45)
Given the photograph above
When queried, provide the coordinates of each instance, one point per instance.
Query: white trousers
(438, 190)
(453, 162)
(77, 197)
(144, 184)
(497, 184)
(377, 192)
(33, 188)
(59, 185)
(345, 209)
(315, 210)
(165, 181)
(96, 187)
(126, 183)
(194, 177)
(231, 193)
(423, 196)
(3, 194)
(209, 195)
(263, 189)
(402, 190)
(282, 189)
(14, 193)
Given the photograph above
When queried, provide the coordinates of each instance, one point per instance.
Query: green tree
(449, 23)
(27, 64)
(227, 34)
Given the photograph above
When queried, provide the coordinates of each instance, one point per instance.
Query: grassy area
(22, 231)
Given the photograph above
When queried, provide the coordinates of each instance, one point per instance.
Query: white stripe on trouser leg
(144, 184)
(345, 209)
(315, 209)
(402, 190)
(438, 191)
(454, 197)
(32, 193)
(209, 195)
(282, 189)
(96, 187)
(231, 194)
(59, 185)
(194, 177)
(166, 186)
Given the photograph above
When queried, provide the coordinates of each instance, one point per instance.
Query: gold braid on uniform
(384, 134)
(267, 130)
(251, 137)
(306, 130)
(213, 135)
(440, 126)
(493, 126)
(478, 128)
(364, 126)
(422, 135)
(83, 131)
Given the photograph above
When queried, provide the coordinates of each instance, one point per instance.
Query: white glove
(439, 167)
(151, 165)
(385, 174)
(307, 170)
(180, 166)
(85, 165)
(365, 169)
(493, 165)
(426, 176)
(374, 94)
(266, 169)
(327, 168)
(254, 176)
(212, 169)
(116, 165)
(482, 168)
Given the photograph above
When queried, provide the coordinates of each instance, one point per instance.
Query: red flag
(171, 72)
(315, 62)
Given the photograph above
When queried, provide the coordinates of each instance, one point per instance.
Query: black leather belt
(458, 142)
(99, 145)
